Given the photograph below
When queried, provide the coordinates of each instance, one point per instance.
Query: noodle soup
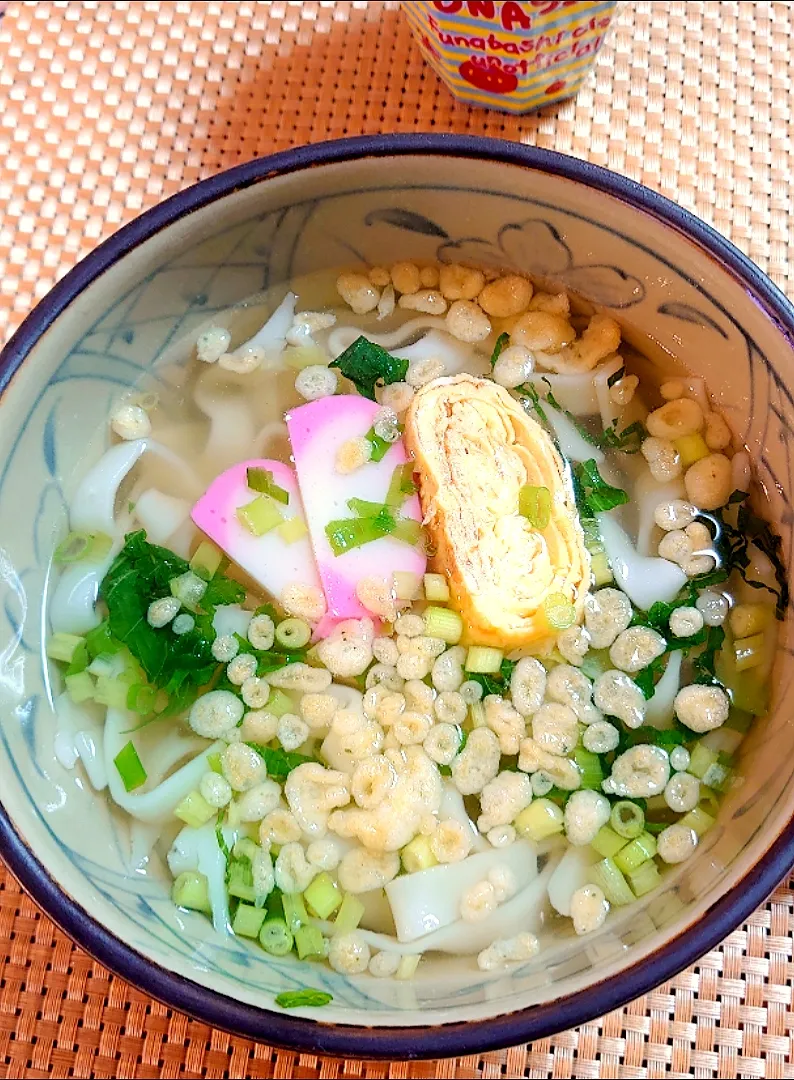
(415, 612)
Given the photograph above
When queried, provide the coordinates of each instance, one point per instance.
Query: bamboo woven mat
(105, 109)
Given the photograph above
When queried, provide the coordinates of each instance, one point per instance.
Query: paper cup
(506, 55)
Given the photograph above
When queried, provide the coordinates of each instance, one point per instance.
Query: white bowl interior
(662, 285)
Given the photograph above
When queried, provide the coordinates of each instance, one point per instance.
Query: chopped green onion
(83, 547)
(609, 877)
(292, 529)
(194, 810)
(417, 855)
(541, 819)
(80, 687)
(241, 879)
(445, 624)
(275, 938)
(303, 999)
(717, 776)
(259, 516)
(701, 758)
(344, 534)
(363, 508)
(636, 853)
(698, 820)
(142, 698)
(245, 848)
(750, 652)
(406, 969)
(248, 921)
(279, 703)
(349, 915)
(309, 941)
(407, 586)
(261, 480)
(627, 819)
(188, 588)
(323, 895)
(477, 712)
(103, 665)
(483, 659)
(293, 633)
(592, 535)
(738, 721)
(295, 912)
(214, 762)
(589, 765)
(645, 878)
(408, 531)
(600, 569)
(436, 588)
(131, 771)
(607, 842)
(380, 447)
(100, 640)
(559, 611)
(63, 647)
(79, 661)
(401, 486)
(206, 560)
(111, 692)
(298, 357)
(534, 503)
(190, 891)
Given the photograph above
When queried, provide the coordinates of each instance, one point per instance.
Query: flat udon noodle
(159, 803)
(659, 711)
(266, 443)
(573, 445)
(644, 579)
(342, 337)
(92, 509)
(272, 337)
(198, 849)
(160, 514)
(583, 395)
(232, 428)
(462, 938)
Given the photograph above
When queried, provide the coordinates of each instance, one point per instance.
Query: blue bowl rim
(395, 1043)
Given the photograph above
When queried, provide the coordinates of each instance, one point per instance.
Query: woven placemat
(106, 108)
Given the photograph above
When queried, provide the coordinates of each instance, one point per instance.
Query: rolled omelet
(475, 448)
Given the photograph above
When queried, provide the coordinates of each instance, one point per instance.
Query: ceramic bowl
(674, 284)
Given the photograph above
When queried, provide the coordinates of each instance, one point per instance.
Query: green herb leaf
(221, 841)
(179, 664)
(501, 343)
(496, 683)
(303, 999)
(533, 400)
(596, 494)
(628, 441)
(367, 365)
(649, 676)
(704, 664)
(280, 763)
